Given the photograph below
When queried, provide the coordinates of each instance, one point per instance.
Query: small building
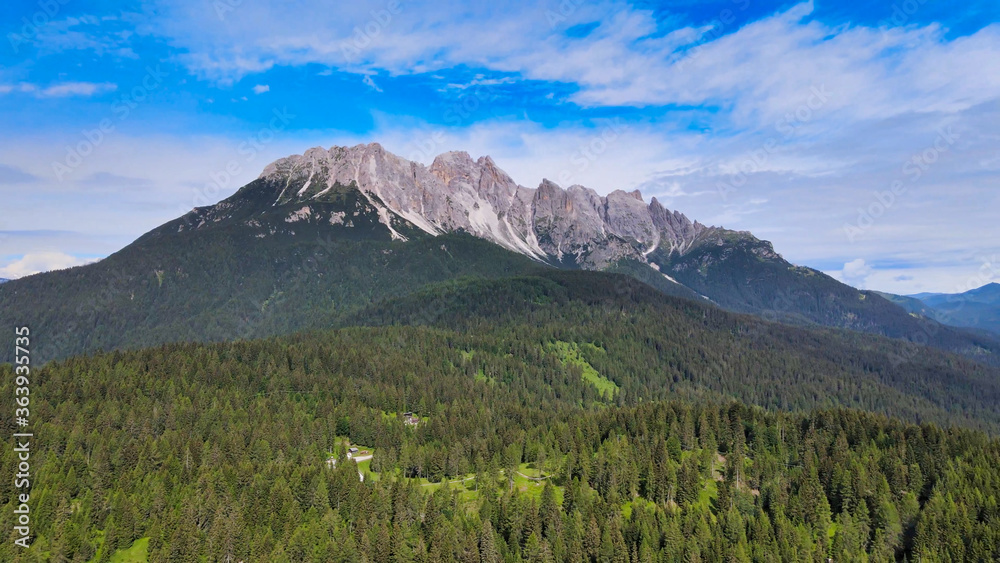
(411, 419)
(352, 450)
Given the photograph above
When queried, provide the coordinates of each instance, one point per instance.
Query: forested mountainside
(656, 347)
(330, 231)
(741, 273)
(514, 452)
(227, 284)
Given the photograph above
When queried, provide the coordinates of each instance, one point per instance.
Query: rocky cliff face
(571, 225)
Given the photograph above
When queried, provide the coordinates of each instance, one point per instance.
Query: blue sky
(860, 137)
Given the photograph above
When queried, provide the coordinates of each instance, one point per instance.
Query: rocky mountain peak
(457, 192)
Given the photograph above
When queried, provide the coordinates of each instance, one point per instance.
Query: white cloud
(22, 87)
(934, 276)
(856, 273)
(757, 73)
(369, 82)
(39, 262)
(60, 90)
(106, 35)
(261, 88)
(77, 89)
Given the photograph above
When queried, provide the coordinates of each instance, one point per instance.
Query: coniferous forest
(555, 421)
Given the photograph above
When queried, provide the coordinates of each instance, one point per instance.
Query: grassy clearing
(138, 552)
(533, 486)
(482, 377)
(569, 353)
(708, 494)
(637, 503)
(465, 486)
(525, 481)
(467, 356)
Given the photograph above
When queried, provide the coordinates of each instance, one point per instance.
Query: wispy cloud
(60, 90)
(370, 82)
(108, 34)
(76, 89)
(629, 59)
(22, 87)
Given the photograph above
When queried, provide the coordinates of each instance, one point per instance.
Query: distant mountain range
(319, 235)
(2, 280)
(977, 309)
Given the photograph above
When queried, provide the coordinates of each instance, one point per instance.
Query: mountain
(988, 294)
(573, 226)
(576, 228)
(3, 280)
(978, 308)
(329, 231)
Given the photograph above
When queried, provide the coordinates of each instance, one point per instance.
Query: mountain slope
(911, 305)
(741, 273)
(227, 282)
(653, 346)
(321, 233)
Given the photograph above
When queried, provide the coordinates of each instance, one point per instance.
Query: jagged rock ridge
(548, 223)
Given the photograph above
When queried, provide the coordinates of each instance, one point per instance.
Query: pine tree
(488, 552)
